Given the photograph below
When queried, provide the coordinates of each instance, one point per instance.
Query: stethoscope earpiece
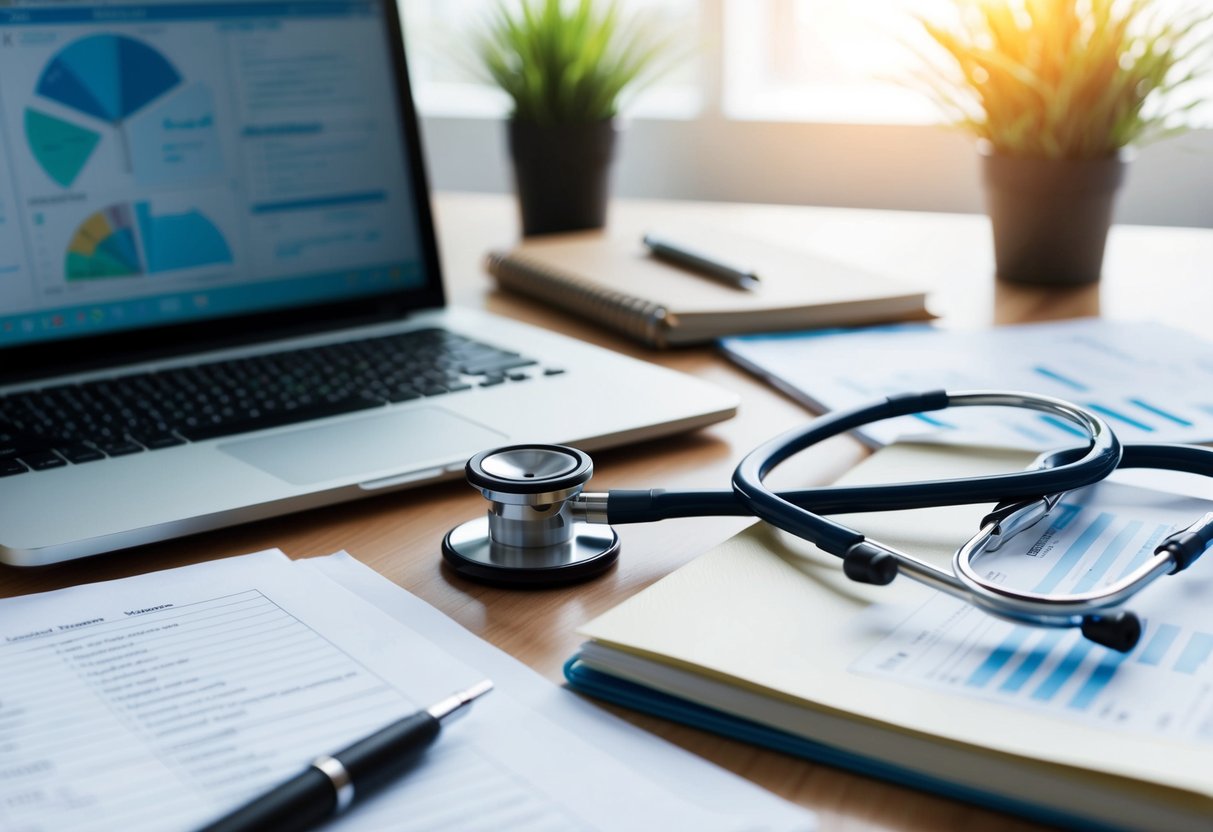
(531, 534)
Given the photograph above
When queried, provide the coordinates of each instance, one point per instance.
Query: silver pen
(700, 263)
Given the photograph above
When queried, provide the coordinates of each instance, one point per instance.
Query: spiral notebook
(611, 279)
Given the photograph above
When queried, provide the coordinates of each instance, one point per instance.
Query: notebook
(610, 278)
(220, 296)
(765, 639)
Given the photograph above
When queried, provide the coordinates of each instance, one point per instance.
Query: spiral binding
(625, 313)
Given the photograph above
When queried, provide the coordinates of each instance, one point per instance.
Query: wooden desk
(1153, 273)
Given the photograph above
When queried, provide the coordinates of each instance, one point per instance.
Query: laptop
(220, 296)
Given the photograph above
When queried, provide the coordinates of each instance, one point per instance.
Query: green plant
(568, 62)
(1066, 78)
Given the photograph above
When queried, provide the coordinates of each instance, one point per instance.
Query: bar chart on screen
(1164, 687)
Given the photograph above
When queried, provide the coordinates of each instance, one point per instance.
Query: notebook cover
(612, 279)
(640, 698)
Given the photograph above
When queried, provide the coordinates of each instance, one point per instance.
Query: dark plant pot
(1050, 216)
(562, 174)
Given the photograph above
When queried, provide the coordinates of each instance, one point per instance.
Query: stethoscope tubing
(1068, 470)
(1101, 459)
(545, 511)
(800, 513)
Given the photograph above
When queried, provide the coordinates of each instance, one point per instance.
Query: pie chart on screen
(102, 79)
(137, 239)
(104, 246)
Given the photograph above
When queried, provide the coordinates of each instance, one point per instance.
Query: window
(825, 60)
(848, 62)
(835, 61)
(784, 101)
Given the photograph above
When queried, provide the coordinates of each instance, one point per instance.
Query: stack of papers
(163, 701)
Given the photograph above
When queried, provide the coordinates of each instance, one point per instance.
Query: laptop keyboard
(79, 423)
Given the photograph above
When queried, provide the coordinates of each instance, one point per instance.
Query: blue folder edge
(640, 698)
(798, 334)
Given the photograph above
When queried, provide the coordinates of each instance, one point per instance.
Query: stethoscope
(542, 529)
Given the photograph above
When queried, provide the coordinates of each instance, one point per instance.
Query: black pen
(699, 262)
(327, 787)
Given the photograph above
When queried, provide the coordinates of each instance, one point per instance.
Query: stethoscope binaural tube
(1093, 611)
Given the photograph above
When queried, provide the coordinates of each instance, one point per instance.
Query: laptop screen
(172, 163)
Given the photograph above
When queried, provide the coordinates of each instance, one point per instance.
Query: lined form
(161, 701)
(1164, 687)
(181, 678)
(216, 690)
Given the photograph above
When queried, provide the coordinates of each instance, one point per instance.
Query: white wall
(908, 167)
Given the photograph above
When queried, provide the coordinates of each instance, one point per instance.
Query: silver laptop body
(203, 182)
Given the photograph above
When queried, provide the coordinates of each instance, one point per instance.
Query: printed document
(163, 701)
(1163, 688)
(1149, 382)
(861, 668)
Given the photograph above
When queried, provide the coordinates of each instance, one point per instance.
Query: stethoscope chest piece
(529, 536)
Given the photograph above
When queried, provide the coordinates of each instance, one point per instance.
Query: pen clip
(457, 703)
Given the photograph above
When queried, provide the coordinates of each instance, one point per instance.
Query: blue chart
(129, 241)
(106, 77)
(1072, 680)
(1160, 687)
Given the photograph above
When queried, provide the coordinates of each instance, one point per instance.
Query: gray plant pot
(562, 174)
(1050, 217)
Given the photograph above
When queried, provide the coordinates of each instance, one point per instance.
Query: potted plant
(565, 66)
(1057, 93)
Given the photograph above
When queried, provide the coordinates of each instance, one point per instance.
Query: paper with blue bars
(1151, 383)
(1164, 687)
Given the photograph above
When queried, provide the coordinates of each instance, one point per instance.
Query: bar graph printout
(162, 701)
(1164, 687)
(1149, 382)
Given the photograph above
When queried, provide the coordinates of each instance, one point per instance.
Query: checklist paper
(162, 701)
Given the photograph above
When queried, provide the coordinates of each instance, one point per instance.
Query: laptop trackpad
(380, 445)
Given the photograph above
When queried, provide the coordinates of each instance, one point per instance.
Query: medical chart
(1163, 687)
(162, 701)
(1149, 382)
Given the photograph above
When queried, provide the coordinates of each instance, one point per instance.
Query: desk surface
(1150, 273)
